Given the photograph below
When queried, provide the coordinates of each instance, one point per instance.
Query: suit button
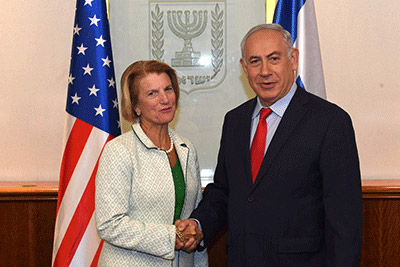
(250, 199)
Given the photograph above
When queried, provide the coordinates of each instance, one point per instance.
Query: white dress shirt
(273, 120)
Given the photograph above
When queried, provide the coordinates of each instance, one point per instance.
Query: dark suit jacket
(305, 208)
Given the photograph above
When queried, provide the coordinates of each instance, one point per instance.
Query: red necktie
(258, 145)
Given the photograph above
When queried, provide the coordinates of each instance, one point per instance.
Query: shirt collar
(280, 106)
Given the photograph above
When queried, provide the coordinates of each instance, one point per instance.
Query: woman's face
(156, 99)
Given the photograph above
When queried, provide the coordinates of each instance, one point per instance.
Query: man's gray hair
(287, 37)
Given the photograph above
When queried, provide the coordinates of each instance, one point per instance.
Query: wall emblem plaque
(190, 36)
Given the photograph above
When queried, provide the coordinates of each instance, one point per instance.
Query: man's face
(268, 69)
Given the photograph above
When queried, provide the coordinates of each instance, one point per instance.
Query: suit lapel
(245, 145)
(182, 151)
(294, 113)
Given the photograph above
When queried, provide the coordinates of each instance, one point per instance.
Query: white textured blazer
(135, 201)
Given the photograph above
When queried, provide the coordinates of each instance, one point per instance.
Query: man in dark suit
(299, 202)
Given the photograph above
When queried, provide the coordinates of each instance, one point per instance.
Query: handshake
(188, 235)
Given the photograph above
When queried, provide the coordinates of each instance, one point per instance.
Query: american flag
(92, 120)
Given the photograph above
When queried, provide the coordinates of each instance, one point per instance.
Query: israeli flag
(298, 17)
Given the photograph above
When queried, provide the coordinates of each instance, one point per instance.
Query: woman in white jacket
(148, 178)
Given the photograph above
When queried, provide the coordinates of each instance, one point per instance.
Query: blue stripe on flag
(300, 82)
(286, 13)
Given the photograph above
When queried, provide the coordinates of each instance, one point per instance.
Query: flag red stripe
(78, 225)
(73, 149)
(79, 222)
(97, 256)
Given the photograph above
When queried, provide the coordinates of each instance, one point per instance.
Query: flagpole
(269, 10)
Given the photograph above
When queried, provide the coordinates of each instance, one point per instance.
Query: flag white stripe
(69, 123)
(87, 247)
(78, 182)
(310, 63)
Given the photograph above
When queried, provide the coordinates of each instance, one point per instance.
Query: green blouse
(179, 182)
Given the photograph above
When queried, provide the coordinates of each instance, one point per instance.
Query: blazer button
(250, 199)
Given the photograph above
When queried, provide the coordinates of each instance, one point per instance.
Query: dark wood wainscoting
(28, 217)
(381, 233)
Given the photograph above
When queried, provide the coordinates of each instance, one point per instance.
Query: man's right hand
(191, 234)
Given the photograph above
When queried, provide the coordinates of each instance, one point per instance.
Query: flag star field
(91, 84)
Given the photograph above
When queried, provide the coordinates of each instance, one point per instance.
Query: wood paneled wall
(27, 219)
(381, 232)
(28, 213)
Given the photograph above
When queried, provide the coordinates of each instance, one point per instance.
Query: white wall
(359, 53)
(35, 49)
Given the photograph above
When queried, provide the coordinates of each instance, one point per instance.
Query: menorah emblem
(187, 30)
